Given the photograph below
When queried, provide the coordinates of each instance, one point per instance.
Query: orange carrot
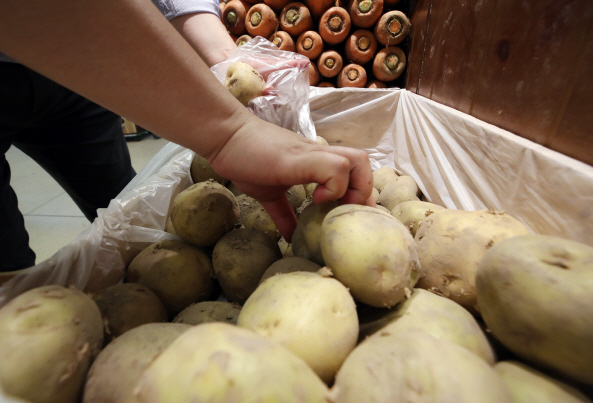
(314, 76)
(243, 39)
(376, 84)
(334, 25)
(318, 7)
(310, 44)
(233, 16)
(352, 75)
(392, 28)
(365, 13)
(361, 46)
(261, 20)
(330, 63)
(326, 84)
(283, 40)
(277, 5)
(389, 63)
(295, 19)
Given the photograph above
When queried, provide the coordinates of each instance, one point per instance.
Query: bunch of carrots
(351, 43)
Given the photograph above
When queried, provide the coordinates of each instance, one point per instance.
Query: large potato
(177, 272)
(244, 82)
(48, 338)
(311, 315)
(126, 306)
(221, 363)
(240, 258)
(527, 385)
(415, 367)
(383, 175)
(305, 239)
(412, 213)
(114, 374)
(254, 216)
(204, 212)
(209, 311)
(201, 170)
(438, 316)
(535, 293)
(371, 253)
(289, 265)
(450, 245)
(398, 190)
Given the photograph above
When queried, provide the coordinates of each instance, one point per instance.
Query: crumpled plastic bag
(286, 103)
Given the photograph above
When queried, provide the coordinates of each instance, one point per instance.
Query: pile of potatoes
(355, 43)
(405, 301)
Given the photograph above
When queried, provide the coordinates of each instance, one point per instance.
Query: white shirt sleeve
(175, 8)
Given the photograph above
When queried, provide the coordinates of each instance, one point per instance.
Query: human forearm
(125, 56)
(207, 35)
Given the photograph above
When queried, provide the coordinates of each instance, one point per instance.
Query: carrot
(314, 76)
(326, 84)
(261, 20)
(334, 25)
(389, 63)
(310, 44)
(283, 40)
(277, 5)
(392, 28)
(352, 75)
(318, 7)
(365, 13)
(295, 19)
(376, 84)
(242, 40)
(233, 16)
(330, 63)
(254, 1)
(361, 46)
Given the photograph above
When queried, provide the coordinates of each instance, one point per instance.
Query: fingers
(283, 215)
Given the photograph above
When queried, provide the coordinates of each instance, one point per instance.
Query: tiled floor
(51, 217)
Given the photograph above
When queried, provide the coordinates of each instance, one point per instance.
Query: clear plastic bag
(286, 103)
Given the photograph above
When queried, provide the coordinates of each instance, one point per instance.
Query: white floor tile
(62, 206)
(142, 151)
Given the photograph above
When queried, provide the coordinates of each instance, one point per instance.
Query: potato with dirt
(412, 213)
(49, 337)
(450, 245)
(289, 265)
(221, 363)
(204, 212)
(254, 216)
(244, 82)
(201, 170)
(179, 273)
(209, 311)
(311, 314)
(114, 374)
(306, 236)
(240, 258)
(371, 253)
(535, 293)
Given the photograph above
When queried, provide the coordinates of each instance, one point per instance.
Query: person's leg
(79, 143)
(15, 95)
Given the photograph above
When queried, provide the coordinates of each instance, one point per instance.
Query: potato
(209, 311)
(305, 239)
(244, 82)
(221, 363)
(204, 212)
(311, 315)
(201, 170)
(438, 316)
(285, 247)
(114, 374)
(240, 258)
(415, 367)
(383, 175)
(48, 338)
(450, 245)
(234, 189)
(375, 194)
(254, 216)
(527, 385)
(289, 265)
(412, 213)
(321, 141)
(309, 189)
(177, 272)
(398, 190)
(296, 196)
(535, 293)
(371, 253)
(126, 306)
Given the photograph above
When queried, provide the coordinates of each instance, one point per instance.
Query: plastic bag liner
(286, 103)
(458, 162)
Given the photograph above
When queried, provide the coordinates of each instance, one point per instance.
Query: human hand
(264, 161)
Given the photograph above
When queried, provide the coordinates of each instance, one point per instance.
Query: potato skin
(209, 311)
(244, 82)
(535, 293)
(413, 212)
(371, 253)
(307, 234)
(450, 245)
(48, 339)
(289, 265)
(398, 190)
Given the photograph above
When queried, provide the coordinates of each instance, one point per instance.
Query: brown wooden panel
(533, 49)
(417, 40)
(464, 28)
(573, 135)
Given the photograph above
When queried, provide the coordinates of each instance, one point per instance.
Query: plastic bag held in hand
(286, 99)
